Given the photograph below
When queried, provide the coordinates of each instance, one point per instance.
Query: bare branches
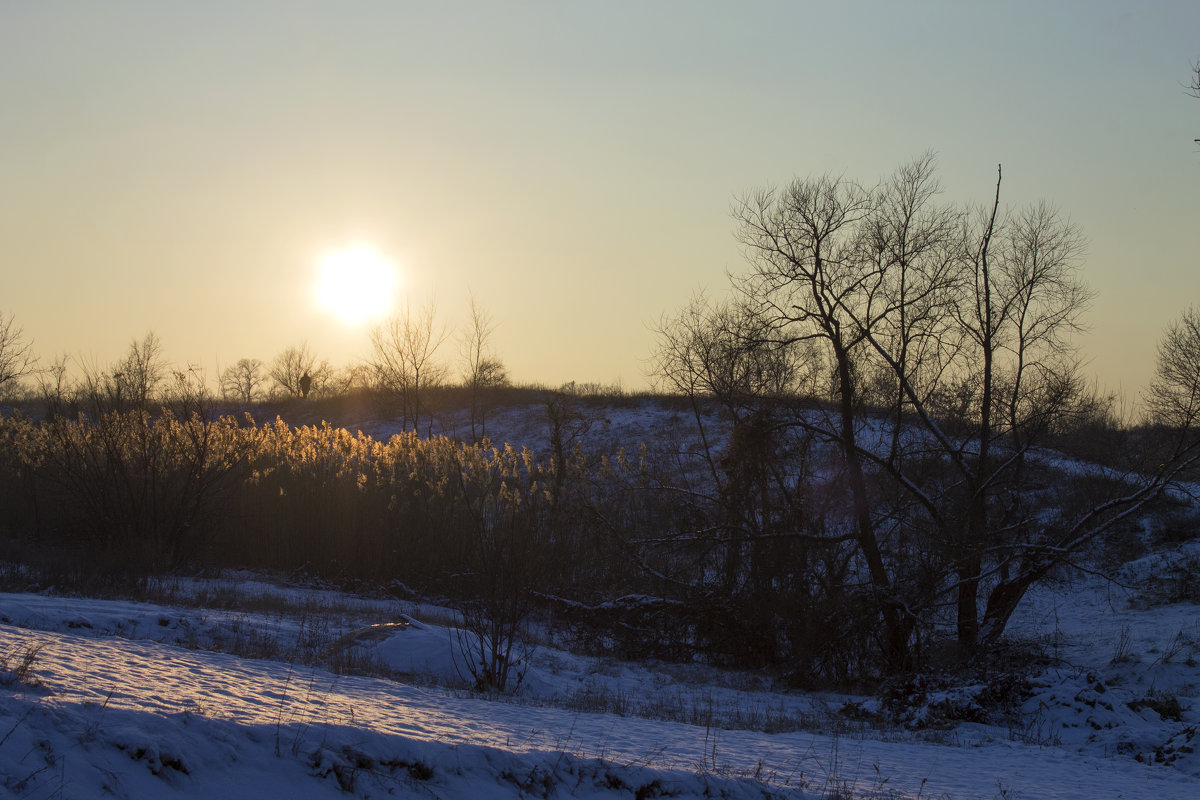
(945, 337)
(1173, 398)
(727, 352)
(297, 373)
(244, 381)
(16, 353)
(483, 371)
(404, 358)
(1194, 88)
(796, 239)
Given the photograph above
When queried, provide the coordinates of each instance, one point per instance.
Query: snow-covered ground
(129, 699)
(604, 427)
(239, 687)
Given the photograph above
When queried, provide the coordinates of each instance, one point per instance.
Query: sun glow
(356, 283)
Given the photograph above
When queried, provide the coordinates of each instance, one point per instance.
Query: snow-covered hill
(240, 687)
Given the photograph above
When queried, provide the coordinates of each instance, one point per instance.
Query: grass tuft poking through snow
(16, 665)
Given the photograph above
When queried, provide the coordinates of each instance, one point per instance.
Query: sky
(185, 167)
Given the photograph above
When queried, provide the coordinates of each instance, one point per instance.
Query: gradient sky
(180, 167)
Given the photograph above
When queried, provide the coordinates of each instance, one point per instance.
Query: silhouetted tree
(244, 381)
(187, 392)
(814, 279)
(55, 389)
(139, 375)
(946, 334)
(726, 352)
(1021, 302)
(16, 354)
(482, 370)
(1173, 398)
(289, 368)
(404, 359)
(568, 424)
(132, 382)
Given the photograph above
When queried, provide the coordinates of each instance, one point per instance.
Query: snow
(607, 427)
(231, 688)
(128, 699)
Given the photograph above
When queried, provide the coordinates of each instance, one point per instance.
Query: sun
(356, 283)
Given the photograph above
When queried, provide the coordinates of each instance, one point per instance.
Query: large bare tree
(1022, 301)
(812, 280)
(946, 335)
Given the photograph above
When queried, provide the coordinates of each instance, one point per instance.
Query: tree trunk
(1002, 602)
(897, 626)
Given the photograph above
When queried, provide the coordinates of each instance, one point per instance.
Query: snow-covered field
(239, 687)
(129, 699)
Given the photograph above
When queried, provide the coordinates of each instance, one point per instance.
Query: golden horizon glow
(570, 170)
(356, 283)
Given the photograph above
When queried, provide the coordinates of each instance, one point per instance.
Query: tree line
(405, 366)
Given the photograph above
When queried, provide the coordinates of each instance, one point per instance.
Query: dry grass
(17, 665)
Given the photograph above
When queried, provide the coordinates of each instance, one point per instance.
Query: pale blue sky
(180, 166)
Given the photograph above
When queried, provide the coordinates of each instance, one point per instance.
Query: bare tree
(404, 359)
(811, 281)
(16, 353)
(1173, 398)
(751, 512)
(55, 389)
(483, 371)
(1026, 302)
(957, 327)
(1011, 300)
(187, 392)
(996, 321)
(724, 351)
(134, 381)
(355, 377)
(911, 239)
(245, 381)
(290, 367)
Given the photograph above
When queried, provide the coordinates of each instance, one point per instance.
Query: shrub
(1165, 704)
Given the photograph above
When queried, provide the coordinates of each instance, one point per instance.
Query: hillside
(246, 685)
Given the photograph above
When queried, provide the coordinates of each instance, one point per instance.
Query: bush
(1165, 704)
